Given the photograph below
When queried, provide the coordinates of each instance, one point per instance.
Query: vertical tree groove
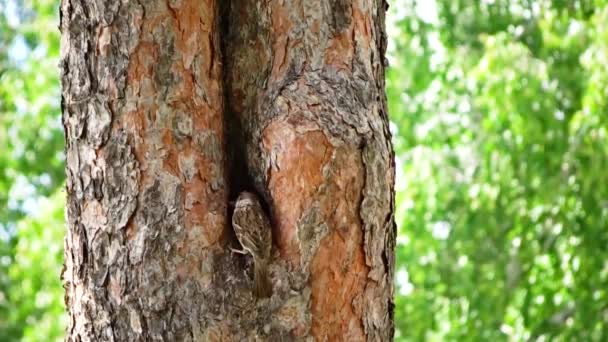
(168, 113)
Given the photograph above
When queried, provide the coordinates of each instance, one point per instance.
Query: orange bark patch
(141, 63)
(195, 38)
(299, 154)
(280, 29)
(338, 271)
(339, 52)
(342, 48)
(205, 209)
(362, 23)
(191, 105)
(303, 160)
(195, 22)
(170, 162)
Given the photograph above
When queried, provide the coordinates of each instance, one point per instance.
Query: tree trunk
(169, 114)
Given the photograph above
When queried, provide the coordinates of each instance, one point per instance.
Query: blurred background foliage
(499, 112)
(31, 173)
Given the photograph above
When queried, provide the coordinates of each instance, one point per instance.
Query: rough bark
(147, 138)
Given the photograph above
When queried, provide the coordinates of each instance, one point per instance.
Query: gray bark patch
(121, 185)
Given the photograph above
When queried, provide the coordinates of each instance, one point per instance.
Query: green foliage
(37, 292)
(31, 170)
(503, 151)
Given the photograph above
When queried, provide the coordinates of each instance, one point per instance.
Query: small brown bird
(253, 230)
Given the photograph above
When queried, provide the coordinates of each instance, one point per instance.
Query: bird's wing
(253, 231)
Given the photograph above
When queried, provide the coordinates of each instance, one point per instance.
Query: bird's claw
(239, 251)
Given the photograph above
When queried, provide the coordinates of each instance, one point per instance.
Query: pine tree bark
(170, 109)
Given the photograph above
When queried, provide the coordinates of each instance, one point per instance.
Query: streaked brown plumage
(253, 230)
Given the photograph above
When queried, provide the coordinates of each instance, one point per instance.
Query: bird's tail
(262, 287)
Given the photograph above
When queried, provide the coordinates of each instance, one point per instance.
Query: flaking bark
(146, 188)
(158, 101)
(305, 86)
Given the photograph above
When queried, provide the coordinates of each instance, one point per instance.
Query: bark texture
(147, 190)
(168, 113)
(305, 85)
